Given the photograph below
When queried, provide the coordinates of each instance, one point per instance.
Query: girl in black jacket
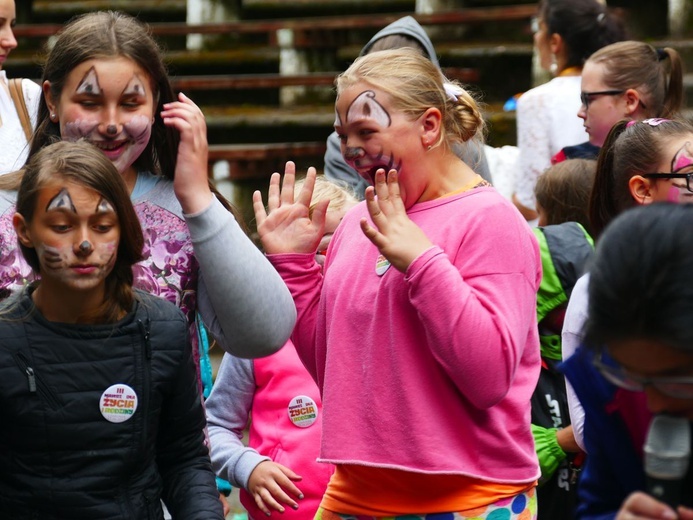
(102, 417)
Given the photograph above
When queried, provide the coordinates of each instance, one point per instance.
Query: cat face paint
(74, 215)
(365, 132)
(678, 154)
(110, 103)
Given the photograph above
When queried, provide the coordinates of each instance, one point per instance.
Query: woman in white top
(566, 33)
(14, 143)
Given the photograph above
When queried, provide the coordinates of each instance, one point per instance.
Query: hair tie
(653, 121)
(600, 17)
(453, 91)
(661, 54)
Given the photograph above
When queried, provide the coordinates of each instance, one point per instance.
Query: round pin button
(303, 411)
(118, 403)
(382, 264)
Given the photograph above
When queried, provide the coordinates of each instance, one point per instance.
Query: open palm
(286, 225)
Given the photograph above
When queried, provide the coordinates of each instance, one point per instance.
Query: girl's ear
(22, 230)
(50, 102)
(431, 121)
(632, 98)
(556, 43)
(639, 188)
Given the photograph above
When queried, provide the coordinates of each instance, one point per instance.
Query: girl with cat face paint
(423, 326)
(104, 81)
(106, 370)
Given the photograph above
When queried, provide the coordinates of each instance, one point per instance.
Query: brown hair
(563, 191)
(414, 85)
(107, 34)
(84, 164)
(657, 74)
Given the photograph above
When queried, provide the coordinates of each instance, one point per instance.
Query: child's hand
(396, 236)
(286, 227)
(641, 506)
(270, 483)
(190, 179)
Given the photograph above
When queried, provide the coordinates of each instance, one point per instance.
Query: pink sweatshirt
(429, 371)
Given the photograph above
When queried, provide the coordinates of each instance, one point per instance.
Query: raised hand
(395, 235)
(270, 484)
(286, 225)
(190, 181)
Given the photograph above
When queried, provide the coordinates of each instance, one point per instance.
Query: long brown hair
(84, 164)
(107, 34)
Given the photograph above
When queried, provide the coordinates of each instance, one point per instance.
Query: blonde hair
(414, 85)
(338, 194)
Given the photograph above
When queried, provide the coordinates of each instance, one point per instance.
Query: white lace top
(13, 144)
(546, 122)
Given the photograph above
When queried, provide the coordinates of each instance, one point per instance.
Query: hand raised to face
(398, 238)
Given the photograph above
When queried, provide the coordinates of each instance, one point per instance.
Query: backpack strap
(17, 94)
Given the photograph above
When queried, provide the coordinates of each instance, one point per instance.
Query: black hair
(639, 286)
(584, 25)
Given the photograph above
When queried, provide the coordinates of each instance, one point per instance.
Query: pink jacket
(286, 426)
(429, 371)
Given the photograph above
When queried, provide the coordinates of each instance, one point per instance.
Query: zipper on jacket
(146, 372)
(145, 334)
(36, 386)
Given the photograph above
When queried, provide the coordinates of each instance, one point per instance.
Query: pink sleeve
(480, 326)
(303, 276)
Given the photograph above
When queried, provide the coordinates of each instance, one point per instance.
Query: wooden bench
(254, 81)
(308, 27)
(252, 161)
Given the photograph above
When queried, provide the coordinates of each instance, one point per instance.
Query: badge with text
(118, 403)
(382, 264)
(303, 411)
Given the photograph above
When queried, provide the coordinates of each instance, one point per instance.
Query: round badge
(118, 403)
(382, 264)
(303, 411)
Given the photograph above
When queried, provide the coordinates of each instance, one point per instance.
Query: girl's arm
(477, 325)
(228, 410)
(242, 299)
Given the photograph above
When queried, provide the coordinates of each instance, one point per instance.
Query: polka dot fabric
(519, 507)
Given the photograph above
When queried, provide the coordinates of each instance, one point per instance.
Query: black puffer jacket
(62, 458)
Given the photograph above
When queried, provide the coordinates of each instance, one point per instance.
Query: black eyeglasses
(677, 387)
(586, 97)
(672, 175)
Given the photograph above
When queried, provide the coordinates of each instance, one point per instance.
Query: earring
(429, 147)
(553, 68)
(53, 117)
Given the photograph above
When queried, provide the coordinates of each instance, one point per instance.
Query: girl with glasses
(638, 357)
(639, 164)
(625, 80)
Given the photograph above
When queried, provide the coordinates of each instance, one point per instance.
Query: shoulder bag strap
(17, 94)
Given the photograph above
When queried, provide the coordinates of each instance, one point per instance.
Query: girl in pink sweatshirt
(421, 333)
